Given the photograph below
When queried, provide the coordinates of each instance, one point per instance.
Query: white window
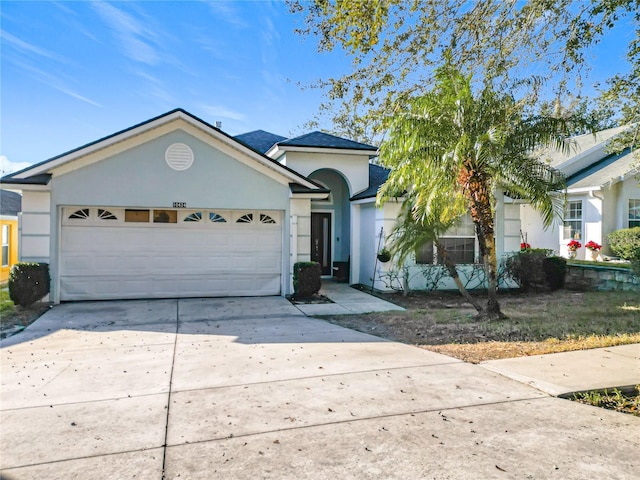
(459, 242)
(5, 245)
(572, 221)
(634, 213)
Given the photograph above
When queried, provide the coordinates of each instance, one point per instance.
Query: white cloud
(134, 36)
(55, 82)
(228, 13)
(216, 112)
(7, 166)
(26, 47)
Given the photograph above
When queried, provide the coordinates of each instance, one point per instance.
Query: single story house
(603, 195)
(175, 207)
(10, 206)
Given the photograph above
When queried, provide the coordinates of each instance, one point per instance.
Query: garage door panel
(168, 261)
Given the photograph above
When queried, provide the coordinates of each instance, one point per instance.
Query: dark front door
(321, 241)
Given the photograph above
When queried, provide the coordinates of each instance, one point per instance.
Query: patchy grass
(537, 324)
(6, 305)
(614, 400)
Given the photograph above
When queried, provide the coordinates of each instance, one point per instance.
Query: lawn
(537, 324)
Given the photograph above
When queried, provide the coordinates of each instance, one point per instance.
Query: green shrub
(526, 268)
(555, 269)
(625, 243)
(306, 279)
(28, 283)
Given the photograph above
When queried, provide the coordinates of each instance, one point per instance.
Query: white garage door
(108, 253)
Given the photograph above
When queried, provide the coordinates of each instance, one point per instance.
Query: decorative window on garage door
(81, 214)
(193, 217)
(106, 215)
(216, 218)
(246, 218)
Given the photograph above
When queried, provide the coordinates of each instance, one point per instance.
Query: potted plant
(384, 255)
(525, 247)
(594, 248)
(573, 246)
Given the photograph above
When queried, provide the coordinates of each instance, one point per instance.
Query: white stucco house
(175, 207)
(603, 195)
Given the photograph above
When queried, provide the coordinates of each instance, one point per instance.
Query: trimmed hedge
(28, 283)
(625, 243)
(306, 279)
(555, 270)
(526, 268)
(537, 269)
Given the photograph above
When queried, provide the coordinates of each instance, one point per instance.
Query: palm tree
(450, 143)
(415, 228)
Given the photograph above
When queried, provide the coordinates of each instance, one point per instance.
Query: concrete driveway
(250, 388)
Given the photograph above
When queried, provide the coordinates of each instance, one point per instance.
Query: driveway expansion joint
(173, 362)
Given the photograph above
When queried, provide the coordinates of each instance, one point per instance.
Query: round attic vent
(179, 156)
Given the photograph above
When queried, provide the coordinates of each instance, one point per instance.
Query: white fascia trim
(276, 149)
(583, 190)
(27, 187)
(311, 195)
(8, 217)
(363, 201)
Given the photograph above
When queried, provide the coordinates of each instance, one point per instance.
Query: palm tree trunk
(491, 268)
(477, 192)
(453, 272)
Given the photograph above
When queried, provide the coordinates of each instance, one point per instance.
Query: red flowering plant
(525, 247)
(574, 245)
(593, 246)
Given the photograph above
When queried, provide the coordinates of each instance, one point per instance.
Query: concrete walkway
(250, 388)
(569, 372)
(346, 301)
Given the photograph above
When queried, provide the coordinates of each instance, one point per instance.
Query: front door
(321, 241)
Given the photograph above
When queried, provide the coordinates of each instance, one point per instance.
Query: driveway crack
(173, 362)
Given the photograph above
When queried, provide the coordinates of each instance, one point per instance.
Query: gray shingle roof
(10, 203)
(259, 140)
(326, 140)
(377, 176)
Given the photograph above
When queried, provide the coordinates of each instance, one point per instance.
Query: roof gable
(325, 140)
(36, 173)
(259, 140)
(607, 170)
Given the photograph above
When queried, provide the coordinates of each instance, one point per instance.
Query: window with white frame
(459, 242)
(634, 212)
(5, 245)
(572, 228)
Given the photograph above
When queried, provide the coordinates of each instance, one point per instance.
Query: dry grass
(479, 352)
(537, 324)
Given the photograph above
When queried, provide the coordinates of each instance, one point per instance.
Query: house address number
(179, 204)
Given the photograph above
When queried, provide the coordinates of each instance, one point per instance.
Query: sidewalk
(347, 301)
(561, 374)
(558, 374)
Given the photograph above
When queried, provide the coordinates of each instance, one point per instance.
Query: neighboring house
(603, 195)
(175, 207)
(10, 206)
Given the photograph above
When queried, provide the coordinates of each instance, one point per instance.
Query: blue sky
(75, 71)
